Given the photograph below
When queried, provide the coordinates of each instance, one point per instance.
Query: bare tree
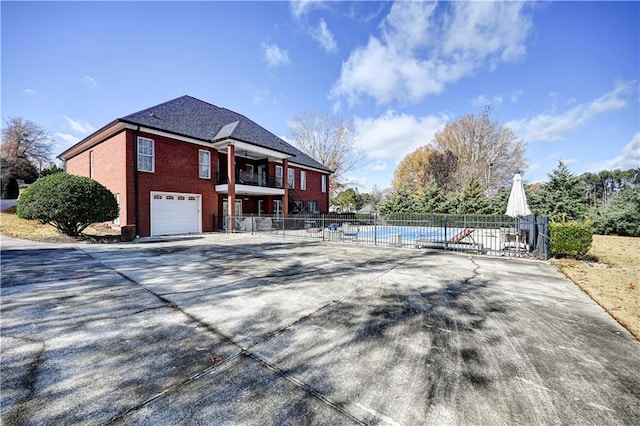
(23, 143)
(330, 140)
(483, 148)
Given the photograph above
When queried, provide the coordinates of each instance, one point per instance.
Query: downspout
(135, 181)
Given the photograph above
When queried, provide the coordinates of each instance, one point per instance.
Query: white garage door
(174, 213)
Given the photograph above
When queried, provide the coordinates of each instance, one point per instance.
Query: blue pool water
(407, 232)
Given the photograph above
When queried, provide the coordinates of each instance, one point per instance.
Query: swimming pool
(408, 233)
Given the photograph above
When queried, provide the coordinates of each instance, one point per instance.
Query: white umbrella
(517, 205)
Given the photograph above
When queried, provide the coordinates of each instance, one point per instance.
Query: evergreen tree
(400, 202)
(432, 198)
(563, 197)
(472, 199)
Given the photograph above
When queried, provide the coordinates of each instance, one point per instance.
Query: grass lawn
(12, 226)
(614, 281)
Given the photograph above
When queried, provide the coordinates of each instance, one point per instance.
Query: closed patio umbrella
(517, 206)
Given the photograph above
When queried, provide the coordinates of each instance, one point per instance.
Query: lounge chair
(457, 242)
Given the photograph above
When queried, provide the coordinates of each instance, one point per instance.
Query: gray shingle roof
(188, 116)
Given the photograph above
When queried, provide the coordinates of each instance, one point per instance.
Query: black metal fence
(482, 234)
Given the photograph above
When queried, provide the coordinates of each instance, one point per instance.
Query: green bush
(10, 189)
(69, 203)
(570, 238)
(622, 217)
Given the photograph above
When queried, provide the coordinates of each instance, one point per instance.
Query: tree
(10, 188)
(412, 173)
(349, 200)
(25, 146)
(330, 140)
(472, 199)
(400, 202)
(442, 168)
(51, 169)
(432, 199)
(622, 216)
(67, 202)
(563, 197)
(483, 148)
(374, 197)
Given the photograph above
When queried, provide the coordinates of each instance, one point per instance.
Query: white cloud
(549, 126)
(35, 93)
(324, 36)
(483, 100)
(264, 97)
(630, 158)
(377, 166)
(79, 126)
(300, 8)
(67, 138)
(393, 136)
(424, 46)
(89, 81)
(274, 56)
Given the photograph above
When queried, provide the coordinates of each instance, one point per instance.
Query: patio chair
(349, 232)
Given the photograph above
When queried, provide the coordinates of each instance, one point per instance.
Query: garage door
(174, 213)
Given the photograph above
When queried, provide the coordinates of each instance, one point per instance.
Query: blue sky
(563, 75)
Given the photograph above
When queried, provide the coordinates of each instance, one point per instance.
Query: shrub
(570, 238)
(10, 189)
(69, 203)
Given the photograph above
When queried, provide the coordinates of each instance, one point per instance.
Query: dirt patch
(613, 281)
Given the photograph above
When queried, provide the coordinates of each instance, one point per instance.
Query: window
(324, 183)
(291, 175)
(145, 155)
(91, 164)
(279, 176)
(204, 164)
(303, 180)
(277, 208)
(312, 207)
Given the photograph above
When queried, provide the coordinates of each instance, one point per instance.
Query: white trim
(324, 183)
(209, 165)
(243, 146)
(198, 197)
(249, 190)
(153, 154)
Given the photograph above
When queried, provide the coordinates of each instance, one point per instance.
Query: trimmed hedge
(69, 203)
(570, 238)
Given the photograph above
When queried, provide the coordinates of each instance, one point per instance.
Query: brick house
(184, 165)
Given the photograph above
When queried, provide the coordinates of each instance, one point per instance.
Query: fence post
(375, 229)
(323, 226)
(446, 238)
(283, 227)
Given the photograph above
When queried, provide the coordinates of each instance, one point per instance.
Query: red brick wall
(176, 170)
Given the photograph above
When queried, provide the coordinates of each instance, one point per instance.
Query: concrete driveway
(238, 330)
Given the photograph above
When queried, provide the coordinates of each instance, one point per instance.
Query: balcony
(250, 184)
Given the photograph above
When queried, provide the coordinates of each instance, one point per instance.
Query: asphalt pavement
(234, 329)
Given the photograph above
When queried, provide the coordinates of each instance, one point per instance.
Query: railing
(252, 179)
(480, 234)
